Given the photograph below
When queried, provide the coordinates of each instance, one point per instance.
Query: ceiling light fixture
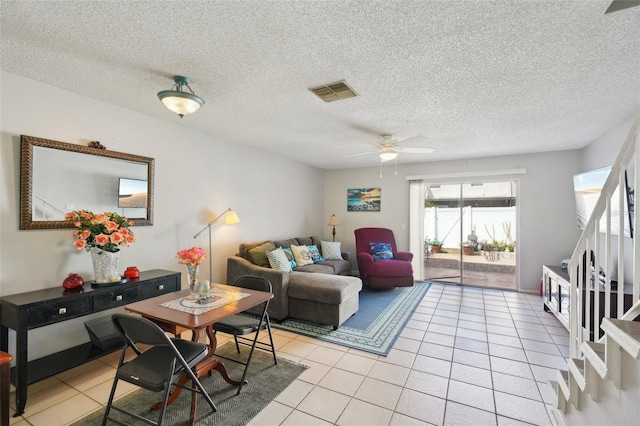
(179, 101)
(388, 154)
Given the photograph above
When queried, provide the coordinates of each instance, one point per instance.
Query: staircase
(43, 210)
(601, 385)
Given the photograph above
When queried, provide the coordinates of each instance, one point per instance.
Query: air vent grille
(334, 91)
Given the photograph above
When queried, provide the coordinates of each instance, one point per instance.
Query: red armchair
(388, 273)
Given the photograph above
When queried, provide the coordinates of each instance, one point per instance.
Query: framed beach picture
(363, 200)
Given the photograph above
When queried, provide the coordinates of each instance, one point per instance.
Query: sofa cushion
(278, 260)
(339, 267)
(381, 251)
(315, 254)
(301, 254)
(258, 254)
(290, 258)
(331, 250)
(319, 268)
(305, 241)
(244, 248)
(285, 243)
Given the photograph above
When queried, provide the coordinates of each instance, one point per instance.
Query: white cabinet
(556, 292)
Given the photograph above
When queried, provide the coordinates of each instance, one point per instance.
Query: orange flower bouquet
(192, 256)
(105, 231)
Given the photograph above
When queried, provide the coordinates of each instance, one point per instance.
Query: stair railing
(584, 321)
(44, 210)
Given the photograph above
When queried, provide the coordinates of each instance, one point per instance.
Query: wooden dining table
(176, 321)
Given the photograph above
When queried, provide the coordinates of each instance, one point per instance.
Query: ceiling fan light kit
(389, 148)
(387, 154)
(179, 101)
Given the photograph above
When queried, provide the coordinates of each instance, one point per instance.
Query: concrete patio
(480, 270)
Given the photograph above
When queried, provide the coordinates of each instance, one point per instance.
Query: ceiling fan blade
(415, 150)
(621, 4)
(419, 139)
(359, 154)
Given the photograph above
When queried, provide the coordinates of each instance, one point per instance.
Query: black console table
(25, 311)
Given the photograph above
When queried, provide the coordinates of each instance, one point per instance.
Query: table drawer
(115, 298)
(157, 288)
(49, 313)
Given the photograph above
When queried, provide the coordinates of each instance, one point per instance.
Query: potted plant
(436, 245)
(468, 248)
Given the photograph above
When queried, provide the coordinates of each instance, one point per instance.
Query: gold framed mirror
(58, 177)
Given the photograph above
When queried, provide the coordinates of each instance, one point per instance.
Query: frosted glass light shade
(179, 101)
(388, 156)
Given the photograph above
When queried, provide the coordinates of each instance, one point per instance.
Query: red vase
(132, 272)
(72, 281)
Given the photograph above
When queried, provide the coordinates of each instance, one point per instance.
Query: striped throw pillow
(278, 260)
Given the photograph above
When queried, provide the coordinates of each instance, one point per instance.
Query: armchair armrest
(403, 255)
(365, 262)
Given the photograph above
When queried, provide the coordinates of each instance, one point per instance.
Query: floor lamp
(333, 221)
(230, 218)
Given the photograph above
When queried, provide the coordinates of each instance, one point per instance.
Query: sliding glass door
(470, 233)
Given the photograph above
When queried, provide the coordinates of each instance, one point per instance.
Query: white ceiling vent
(334, 91)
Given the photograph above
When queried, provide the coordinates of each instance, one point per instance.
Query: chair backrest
(364, 236)
(140, 330)
(253, 282)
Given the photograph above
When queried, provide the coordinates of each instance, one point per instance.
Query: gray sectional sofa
(323, 292)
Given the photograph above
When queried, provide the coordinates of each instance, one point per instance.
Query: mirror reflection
(57, 178)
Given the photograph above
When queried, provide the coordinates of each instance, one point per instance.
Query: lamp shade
(179, 101)
(333, 220)
(231, 218)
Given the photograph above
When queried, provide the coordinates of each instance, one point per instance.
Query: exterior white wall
(196, 178)
(547, 230)
(487, 222)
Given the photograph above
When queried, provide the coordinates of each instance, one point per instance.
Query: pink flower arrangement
(192, 256)
(105, 231)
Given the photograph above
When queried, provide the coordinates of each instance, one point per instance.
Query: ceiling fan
(388, 148)
(621, 4)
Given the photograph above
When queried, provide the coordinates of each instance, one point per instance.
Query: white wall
(196, 178)
(604, 150)
(547, 224)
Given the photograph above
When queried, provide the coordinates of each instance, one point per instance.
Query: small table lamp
(333, 221)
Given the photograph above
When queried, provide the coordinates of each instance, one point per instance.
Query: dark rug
(266, 381)
(381, 316)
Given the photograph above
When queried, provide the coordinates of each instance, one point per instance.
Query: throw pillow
(301, 255)
(258, 254)
(278, 260)
(331, 250)
(315, 254)
(381, 251)
(290, 258)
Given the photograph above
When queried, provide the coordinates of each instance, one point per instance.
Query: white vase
(105, 265)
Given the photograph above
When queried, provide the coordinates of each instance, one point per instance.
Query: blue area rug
(381, 316)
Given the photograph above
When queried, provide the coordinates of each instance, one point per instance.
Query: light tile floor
(468, 356)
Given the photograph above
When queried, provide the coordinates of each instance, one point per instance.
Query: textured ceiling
(476, 78)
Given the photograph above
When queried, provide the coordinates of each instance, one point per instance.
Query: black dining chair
(241, 325)
(158, 367)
